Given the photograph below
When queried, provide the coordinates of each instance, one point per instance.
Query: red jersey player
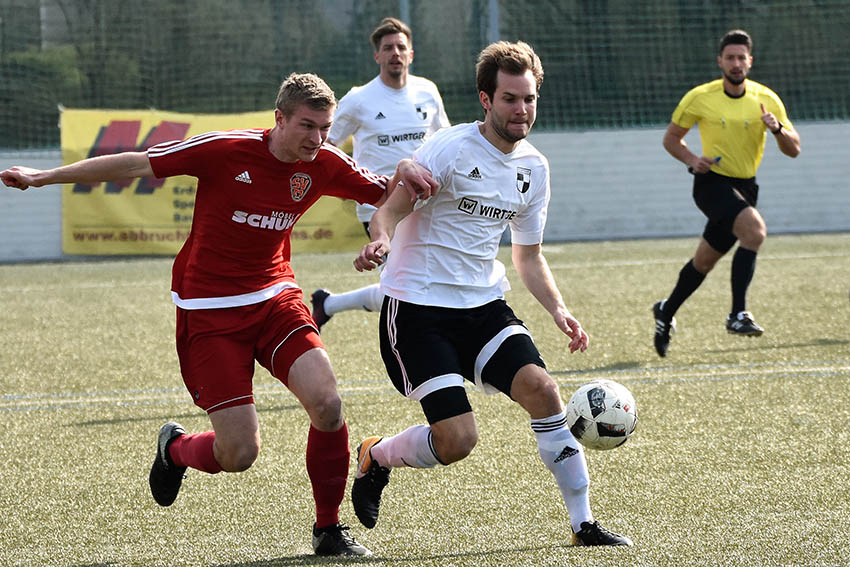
(236, 295)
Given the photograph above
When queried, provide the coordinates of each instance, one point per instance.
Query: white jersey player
(388, 118)
(445, 320)
(387, 124)
(445, 251)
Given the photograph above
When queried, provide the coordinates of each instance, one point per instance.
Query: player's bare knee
(451, 449)
(457, 451)
(237, 457)
(243, 459)
(537, 392)
(326, 412)
(750, 229)
(755, 236)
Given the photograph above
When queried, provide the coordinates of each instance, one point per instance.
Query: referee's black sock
(689, 280)
(743, 268)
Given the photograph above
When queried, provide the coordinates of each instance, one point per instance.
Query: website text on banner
(153, 216)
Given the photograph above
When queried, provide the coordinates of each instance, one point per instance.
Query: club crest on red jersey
(299, 184)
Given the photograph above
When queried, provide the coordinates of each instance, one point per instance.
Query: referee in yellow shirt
(734, 116)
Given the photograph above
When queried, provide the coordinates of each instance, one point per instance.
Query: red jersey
(238, 250)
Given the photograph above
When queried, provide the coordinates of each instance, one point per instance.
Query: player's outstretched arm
(92, 170)
(382, 228)
(534, 271)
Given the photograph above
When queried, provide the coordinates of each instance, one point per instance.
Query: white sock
(410, 448)
(369, 298)
(564, 456)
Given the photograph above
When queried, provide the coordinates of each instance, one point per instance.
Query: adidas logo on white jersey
(380, 116)
(474, 174)
(243, 177)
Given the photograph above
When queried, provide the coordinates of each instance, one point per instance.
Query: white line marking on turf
(85, 285)
(618, 263)
(709, 367)
(555, 266)
(272, 391)
(740, 374)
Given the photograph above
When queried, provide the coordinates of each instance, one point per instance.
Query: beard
(396, 72)
(735, 80)
(503, 132)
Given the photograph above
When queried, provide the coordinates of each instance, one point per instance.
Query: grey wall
(31, 220)
(605, 185)
(623, 184)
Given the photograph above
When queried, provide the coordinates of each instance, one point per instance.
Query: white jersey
(387, 124)
(444, 252)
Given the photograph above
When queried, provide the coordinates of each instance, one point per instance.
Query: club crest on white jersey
(523, 179)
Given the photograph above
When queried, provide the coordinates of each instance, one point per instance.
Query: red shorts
(217, 347)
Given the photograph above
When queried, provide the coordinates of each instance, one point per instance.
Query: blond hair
(304, 88)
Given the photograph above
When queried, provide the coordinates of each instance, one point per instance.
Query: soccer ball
(602, 414)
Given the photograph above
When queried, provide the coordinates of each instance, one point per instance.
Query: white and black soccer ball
(602, 414)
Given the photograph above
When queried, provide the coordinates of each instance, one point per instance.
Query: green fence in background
(608, 63)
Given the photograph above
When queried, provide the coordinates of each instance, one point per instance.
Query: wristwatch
(778, 130)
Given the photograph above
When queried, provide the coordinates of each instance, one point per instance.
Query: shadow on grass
(814, 343)
(162, 419)
(378, 560)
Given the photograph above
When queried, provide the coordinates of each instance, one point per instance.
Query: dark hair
(304, 88)
(389, 26)
(512, 58)
(736, 37)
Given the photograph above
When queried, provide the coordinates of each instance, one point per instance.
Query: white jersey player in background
(445, 319)
(388, 118)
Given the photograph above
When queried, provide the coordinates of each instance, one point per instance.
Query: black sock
(689, 280)
(743, 268)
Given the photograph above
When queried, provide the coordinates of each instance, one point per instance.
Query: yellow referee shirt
(729, 127)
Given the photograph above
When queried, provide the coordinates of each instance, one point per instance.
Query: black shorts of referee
(721, 199)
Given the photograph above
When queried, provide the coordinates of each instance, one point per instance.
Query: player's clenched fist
(372, 255)
(20, 177)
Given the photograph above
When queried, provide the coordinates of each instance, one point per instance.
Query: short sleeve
(528, 226)
(777, 108)
(350, 181)
(442, 119)
(185, 157)
(437, 156)
(684, 115)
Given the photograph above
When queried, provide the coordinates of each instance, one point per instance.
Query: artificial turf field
(740, 456)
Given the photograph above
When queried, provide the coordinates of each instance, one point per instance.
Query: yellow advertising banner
(153, 216)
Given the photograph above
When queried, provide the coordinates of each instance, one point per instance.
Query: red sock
(327, 467)
(195, 451)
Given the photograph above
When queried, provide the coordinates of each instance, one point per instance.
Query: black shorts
(430, 351)
(721, 199)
